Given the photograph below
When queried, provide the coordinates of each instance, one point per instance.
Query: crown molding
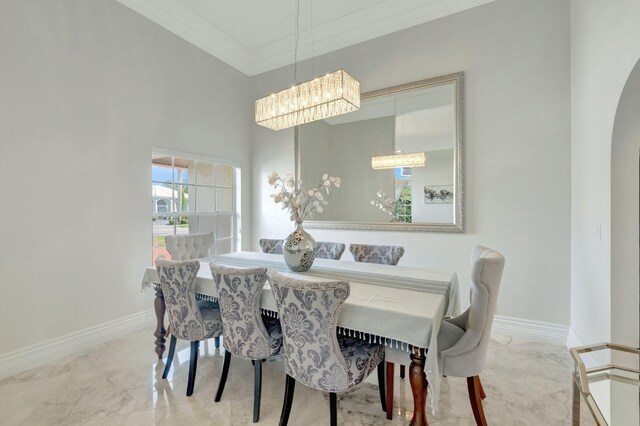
(376, 21)
(366, 24)
(193, 28)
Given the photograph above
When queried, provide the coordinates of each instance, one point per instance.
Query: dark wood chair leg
(389, 389)
(383, 399)
(223, 376)
(172, 350)
(289, 387)
(333, 408)
(193, 366)
(402, 371)
(473, 385)
(482, 394)
(257, 390)
(217, 342)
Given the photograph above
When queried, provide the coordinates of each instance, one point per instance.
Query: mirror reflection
(398, 157)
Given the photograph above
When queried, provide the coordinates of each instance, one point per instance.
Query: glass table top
(612, 390)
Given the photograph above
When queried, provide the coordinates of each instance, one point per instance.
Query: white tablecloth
(395, 305)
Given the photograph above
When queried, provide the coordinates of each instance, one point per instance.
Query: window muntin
(193, 196)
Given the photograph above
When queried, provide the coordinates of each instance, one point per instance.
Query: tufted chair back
(329, 250)
(178, 281)
(467, 357)
(239, 290)
(191, 246)
(386, 255)
(308, 312)
(271, 246)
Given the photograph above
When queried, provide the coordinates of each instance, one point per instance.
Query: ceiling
(255, 36)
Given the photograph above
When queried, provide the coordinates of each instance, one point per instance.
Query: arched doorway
(625, 215)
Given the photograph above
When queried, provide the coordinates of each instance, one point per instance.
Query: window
(193, 196)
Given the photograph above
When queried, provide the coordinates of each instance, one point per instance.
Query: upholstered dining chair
(247, 334)
(463, 340)
(188, 319)
(313, 352)
(190, 246)
(271, 246)
(326, 250)
(386, 255)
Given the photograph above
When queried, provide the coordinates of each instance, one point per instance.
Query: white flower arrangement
(301, 203)
(386, 204)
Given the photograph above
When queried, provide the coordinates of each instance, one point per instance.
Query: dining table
(398, 306)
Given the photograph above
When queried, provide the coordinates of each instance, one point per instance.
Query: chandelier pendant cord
(295, 51)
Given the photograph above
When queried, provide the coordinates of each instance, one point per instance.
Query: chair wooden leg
(257, 390)
(381, 388)
(172, 350)
(473, 385)
(333, 407)
(223, 376)
(402, 371)
(482, 394)
(289, 387)
(389, 389)
(193, 366)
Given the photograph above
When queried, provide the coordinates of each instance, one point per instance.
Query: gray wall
(515, 55)
(87, 88)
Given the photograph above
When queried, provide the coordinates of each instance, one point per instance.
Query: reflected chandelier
(414, 159)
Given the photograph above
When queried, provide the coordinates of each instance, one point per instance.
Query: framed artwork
(438, 194)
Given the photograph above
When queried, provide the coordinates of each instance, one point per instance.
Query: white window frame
(235, 191)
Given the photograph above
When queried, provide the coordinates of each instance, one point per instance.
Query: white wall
(605, 46)
(625, 215)
(515, 55)
(87, 88)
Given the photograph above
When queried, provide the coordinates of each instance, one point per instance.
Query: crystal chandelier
(333, 94)
(323, 97)
(414, 159)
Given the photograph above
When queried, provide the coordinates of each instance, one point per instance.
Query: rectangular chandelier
(414, 159)
(333, 94)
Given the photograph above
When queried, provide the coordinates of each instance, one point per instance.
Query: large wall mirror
(400, 158)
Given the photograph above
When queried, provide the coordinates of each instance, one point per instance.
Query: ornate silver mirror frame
(457, 80)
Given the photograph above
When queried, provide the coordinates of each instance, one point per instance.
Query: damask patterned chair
(188, 319)
(190, 246)
(385, 255)
(313, 352)
(329, 250)
(271, 246)
(463, 340)
(247, 334)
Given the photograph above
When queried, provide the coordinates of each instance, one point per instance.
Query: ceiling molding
(193, 28)
(366, 24)
(374, 22)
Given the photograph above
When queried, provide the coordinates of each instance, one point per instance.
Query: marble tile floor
(119, 383)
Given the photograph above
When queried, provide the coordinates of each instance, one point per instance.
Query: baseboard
(42, 353)
(536, 330)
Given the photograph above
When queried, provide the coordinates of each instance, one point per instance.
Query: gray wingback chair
(313, 352)
(191, 246)
(326, 250)
(188, 319)
(271, 246)
(386, 255)
(246, 333)
(463, 340)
